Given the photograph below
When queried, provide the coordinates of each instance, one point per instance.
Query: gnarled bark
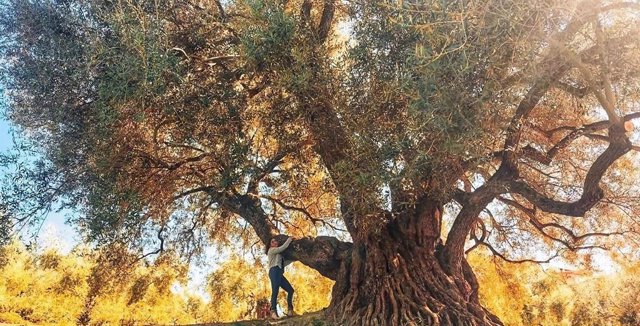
(324, 254)
(394, 277)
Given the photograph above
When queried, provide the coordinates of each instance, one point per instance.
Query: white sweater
(274, 256)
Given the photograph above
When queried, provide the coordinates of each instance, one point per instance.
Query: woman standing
(276, 266)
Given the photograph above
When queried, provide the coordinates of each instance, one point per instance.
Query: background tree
(527, 294)
(47, 286)
(50, 287)
(237, 285)
(174, 124)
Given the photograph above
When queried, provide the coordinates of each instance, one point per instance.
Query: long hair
(268, 246)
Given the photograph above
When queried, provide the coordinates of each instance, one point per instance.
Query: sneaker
(274, 315)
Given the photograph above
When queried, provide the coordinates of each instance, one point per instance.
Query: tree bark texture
(394, 277)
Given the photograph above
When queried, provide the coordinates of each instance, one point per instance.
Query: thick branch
(574, 90)
(326, 20)
(248, 207)
(472, 205)
(321, 253)
(592, 192)
(607, 139)
(324, 254)
(531, 213)
(575, 133)
(595, 126)
(555, 65)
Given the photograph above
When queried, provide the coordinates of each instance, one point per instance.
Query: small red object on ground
(263, 309)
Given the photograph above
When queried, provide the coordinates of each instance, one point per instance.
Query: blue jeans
(276, 275)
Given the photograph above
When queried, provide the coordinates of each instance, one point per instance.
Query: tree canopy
(452, 125)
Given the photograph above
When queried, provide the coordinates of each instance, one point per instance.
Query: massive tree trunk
(394, 277)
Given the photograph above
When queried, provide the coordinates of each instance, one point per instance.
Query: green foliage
(113, 215)
(267, 41)
(134, 58)
(160, 120)
(131, 105)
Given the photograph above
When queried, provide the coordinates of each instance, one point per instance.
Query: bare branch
(576, 132)
(304, 211)
(483, 235)
(516, 261)
(206, 189)
(155, 252)
(221, 58)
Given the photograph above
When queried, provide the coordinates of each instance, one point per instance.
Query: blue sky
(54, 231)
(5, 137)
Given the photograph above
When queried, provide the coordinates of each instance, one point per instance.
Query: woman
(276, 266)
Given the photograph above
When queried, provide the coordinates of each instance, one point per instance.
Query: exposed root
(406, 288)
